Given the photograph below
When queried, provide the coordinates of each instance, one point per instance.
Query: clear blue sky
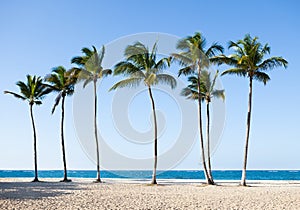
(38, 35)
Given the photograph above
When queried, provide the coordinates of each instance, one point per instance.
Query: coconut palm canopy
(248, 59)
(33, 91)
(62, 82)
(194, 53)
(141, 66)
(90, 64)
(207, 90)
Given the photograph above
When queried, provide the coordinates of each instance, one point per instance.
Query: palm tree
(208, 92)
(33, 92)
(141, 66)
(91, 70)
(194, 58)
(247, 61)
(62, 82)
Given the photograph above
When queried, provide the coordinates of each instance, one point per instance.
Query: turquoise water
(182, 174)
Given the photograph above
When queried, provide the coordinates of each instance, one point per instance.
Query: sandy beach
(137, 194)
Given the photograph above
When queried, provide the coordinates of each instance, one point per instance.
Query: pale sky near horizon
(39, 35)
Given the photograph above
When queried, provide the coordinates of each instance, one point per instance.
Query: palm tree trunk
(243, 180)
(62, 138)
(155, 137)
(96, 132)
(34, 146)
(208, 180)
(208, 141)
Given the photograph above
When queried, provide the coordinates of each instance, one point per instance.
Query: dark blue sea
(173, 174)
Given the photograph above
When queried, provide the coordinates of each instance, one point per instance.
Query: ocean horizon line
(146, 174)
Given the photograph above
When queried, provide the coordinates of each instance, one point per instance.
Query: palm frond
(57, 100)
(186, 70)
(183, 59)
(106, 72)
(136, 49)
(272, 63)
(129, 82)
(236, 71)
(166, 79)
(87, 81)
(261, 77)
(125, 68)
(15, 95)
(101, 54)
(77, 60)
(222, 59)
(218, 94)
(163, 63)
(214, 49)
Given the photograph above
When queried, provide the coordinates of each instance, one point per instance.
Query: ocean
(173, 174)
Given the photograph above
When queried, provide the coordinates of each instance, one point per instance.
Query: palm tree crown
(62, 82)
(141, 65)
(33, 91)
(194, 54)
(248, 59)
(91, 65)
(207, 90)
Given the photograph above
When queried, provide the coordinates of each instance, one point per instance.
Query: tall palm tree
(194, 58)
(208, 92)
(62, 82)
(248, 61)
(33, 92)
(91, 71)
(139, 67)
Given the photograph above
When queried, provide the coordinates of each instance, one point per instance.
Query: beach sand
(137, 194)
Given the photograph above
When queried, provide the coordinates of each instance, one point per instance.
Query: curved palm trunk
(96, 132)
(243, 180)
(155, 137)
(208, 180)
(208, 142)
(62, 138)
(34, 145)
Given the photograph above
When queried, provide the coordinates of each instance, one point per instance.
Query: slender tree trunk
(96, 132)
(208, 141)
(208, 180)
(243, 180)
(155, 137)
(62, 138)
(34, 146)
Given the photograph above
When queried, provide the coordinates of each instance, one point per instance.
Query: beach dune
(136, 194)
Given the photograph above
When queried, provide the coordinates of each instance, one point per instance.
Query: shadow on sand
(36, 190)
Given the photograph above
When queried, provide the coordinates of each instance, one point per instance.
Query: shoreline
(147, 181)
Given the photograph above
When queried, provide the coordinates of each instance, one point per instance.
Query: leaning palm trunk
(62, 138)
(96, 132)
(208, 179)
(34, 146)
(243, 180)
(155, 137)
(208, 142)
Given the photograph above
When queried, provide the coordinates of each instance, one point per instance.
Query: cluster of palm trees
(141, 66)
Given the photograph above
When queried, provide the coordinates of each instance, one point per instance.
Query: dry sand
(136, 194)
